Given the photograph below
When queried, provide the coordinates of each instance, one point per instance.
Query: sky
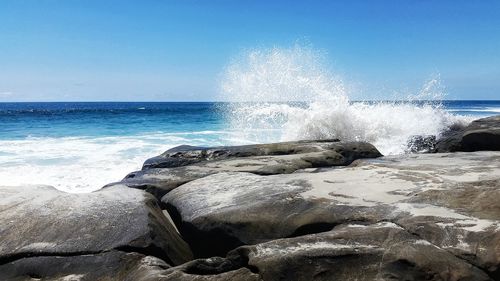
(151, 50)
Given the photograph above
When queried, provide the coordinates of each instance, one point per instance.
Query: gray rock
(42, 221)
(112, 265)
(262, 159)
(185, 154)
(215, 268)
(382, 251)
(481, 134)
(424, 193)
(118, 265)
(310, 210)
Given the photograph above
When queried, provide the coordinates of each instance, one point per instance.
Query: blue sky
(85, 50)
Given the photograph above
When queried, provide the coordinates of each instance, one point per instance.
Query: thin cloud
(6, 94)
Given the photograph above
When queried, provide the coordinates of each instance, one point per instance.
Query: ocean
(79, 147)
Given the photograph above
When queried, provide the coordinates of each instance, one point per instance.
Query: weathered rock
(481, 134)
(262, 159)
(216, 269)
(287, 211)
(226, 210)
(185, 154)
(113, 265)
(423, 193)
(382, 251)
(118, 265)
(42, 221)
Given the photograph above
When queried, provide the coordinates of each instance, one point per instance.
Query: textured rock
(286, 211)
(42, 221)
(215, 268)
(262, 159)
(423, 193)
(481, 134)
(185, 155)
(117, 265)
(113, 265)
(382, 251)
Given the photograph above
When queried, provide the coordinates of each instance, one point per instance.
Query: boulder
(214, 268)
(112, 265)
(481, 134)
(38, 221)
(422, 193)
(184, 164)
(185, 154)
(382, 251)
(118, 265)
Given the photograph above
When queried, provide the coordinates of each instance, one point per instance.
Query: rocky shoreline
(306, 210)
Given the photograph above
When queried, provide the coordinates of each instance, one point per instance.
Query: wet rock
(481, 134)
(262, 159)
(424, 193)
(42, 221)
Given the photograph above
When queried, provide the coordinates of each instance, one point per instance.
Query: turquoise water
(79, 147)
(21, 120)
(93, 119)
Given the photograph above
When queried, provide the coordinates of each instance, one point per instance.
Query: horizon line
(186, 101)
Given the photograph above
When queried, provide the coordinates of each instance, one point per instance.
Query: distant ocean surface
(80, 147)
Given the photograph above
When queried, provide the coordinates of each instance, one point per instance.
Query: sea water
(269, 95)
(79, 147)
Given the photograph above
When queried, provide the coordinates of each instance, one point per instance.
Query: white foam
(270, 250)
(82, 164)
(464, 222)
(266, 86)
(72, 277)
(377, 225)
(488, 109)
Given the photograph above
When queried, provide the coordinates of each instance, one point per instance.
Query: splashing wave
(289, 94)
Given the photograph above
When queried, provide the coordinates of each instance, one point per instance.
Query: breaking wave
(284, 94)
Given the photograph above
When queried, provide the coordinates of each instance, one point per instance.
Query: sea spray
(284, 94)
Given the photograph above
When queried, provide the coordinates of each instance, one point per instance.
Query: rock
(309, 210)
(42, 221)
(481, 134)
(382, 251)
(112, 265)
(215, 268)
(185, 154)
(262, 159)
(233, 209)
(117, 265)
(423, 193)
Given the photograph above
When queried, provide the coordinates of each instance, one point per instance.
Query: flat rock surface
(184, 164)
(448, 200)
(42, 221)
